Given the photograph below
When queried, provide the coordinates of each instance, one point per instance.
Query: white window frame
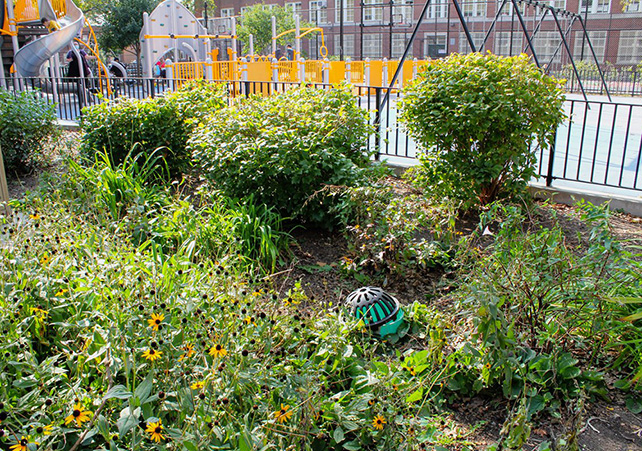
(403, 11)
(474, 8)
(435, 39)
(296, 8)
(372, 46)
(438, 9)
(545, 43)
(372, 13)
(348, 11)
(630, 47)
(348, 45)
(634, 6)
(319, 12)
(478, 37)
(595, 6)
(227, 12)
(502, 44)
(598, 40)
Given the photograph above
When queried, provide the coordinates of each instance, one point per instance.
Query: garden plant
(139, 314)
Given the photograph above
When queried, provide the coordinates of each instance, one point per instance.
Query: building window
(474, 8)
(243, 9)
(559, 4)
(227, 12)
(598, 40)
(595, 6)
(348, 11)
(399, 41)
(372, 45)
(505, 45)
(435, 45)
(630, 48)
(546, 43)
(402, 11)
(319, 12)
(348, 45)
(633, 7)
(295, 8)
(478, 38)
(438, 9)
(372, 13)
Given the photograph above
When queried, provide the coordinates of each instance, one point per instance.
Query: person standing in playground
(51, 24)
(290, 53)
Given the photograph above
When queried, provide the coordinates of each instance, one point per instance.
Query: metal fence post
(551, 159)
(377, 123)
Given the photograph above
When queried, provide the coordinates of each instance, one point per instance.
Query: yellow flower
(47, 429)
(40, 313)
(44, 259)
(283, 415)
(197, 385)
(378, 422)
(155, 431)
(61, 292)
(34, 216)
(189, 350)
(22, 444)
(411, 370)
(218, 351)
(152, 354)
(249, 320)
(155, 320)
(79, 415)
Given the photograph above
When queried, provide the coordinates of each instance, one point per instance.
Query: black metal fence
(599, 144)
(626, 81)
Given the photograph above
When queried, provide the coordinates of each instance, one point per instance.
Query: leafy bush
(544, 314)
(161, 122)
(476, 116)
(282, 149)
(26, 123)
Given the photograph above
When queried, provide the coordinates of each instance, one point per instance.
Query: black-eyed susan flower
(378, 422)
(44, 259)
(189, 351)
(197, 385)
(155, 431)
(61, 292)
(155, 320)
(39, 312)
(34, 216)
(22, 445)
(217, 351)
(283, 414)
(78, 415)
(152, 354)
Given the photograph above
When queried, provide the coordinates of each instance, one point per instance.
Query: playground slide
(32, 56)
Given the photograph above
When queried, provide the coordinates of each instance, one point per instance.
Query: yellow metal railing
(59, 7)
(287, 70)
(357, 72)
(225, 70)
(26, 10)
(314, 71)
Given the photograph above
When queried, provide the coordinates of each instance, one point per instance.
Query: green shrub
(284, 148)
(26, 123)
(476, 116)
(162, 122)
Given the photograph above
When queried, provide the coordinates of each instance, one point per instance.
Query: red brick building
(375, 29)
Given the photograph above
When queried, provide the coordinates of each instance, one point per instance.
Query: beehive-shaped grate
(373, 305)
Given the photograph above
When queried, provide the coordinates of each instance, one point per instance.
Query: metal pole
(559, 46)
(588, 40)
(528, 39)
(12, 27)
(206, 17)
(568, 50)
(536, 29)
(341, 29)
(274, 35)
(462, 20)
(390, 24)
(401, 60)
(492, 25)
(361, 28)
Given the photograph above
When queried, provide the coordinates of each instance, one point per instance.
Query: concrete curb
(67, 125)
(630, 205)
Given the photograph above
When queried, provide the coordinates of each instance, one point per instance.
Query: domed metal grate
(373, 305)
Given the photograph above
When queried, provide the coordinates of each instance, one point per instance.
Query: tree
(476, 117)
(122, 22)
(257, 21)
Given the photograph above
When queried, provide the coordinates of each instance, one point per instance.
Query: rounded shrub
(26, 124)
(476, 116)
(162, 122)
(283, 149)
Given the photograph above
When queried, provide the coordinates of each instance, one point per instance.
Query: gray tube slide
(32, 56)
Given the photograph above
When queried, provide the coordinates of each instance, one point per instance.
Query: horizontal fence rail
(598, 145)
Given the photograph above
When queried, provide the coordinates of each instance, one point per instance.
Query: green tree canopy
(122, 21)
(257, 21)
